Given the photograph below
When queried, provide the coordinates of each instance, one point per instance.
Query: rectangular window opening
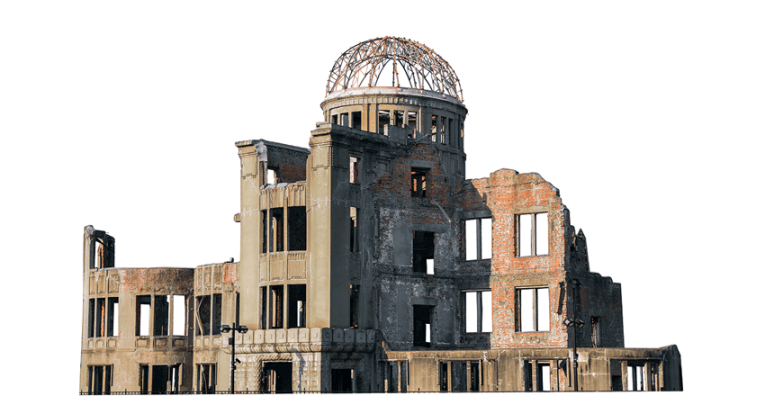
(354, 306)
(434, 128)
(161, 312)
(421, 315)
(276, 377)
(383, 120)
(411, 124)
(179, 315)
(532, 310)
(443, 131)
(143, 312)
(423, 249)
(419, 182)
(99, 380)
(296, 305)
(296, 232)
(354, 231)
(356, 119)
(100, 317)
(398, 118)
(355, 163)
(344, 121)
(543, 377)
(478, 317)
(532, 236)
(276, 307)
(595, 331)
(202, 315)
(206, 378)
(112, 324)
(342, 380)
(271, 176)
(478, 239)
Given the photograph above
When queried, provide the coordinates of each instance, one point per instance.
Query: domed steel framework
(363, 64)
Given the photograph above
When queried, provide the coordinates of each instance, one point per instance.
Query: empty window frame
(636, 378)
(208, 314)
(423, 252)
(341, 380)
(162, 379)
(356, 120)
(354, 231)
(271, 174)
(543, 376)
(396, 376)
(143, 315)
(206, 378)
(161, 318)
(595, 323)
(383, 120)
(478, 239)
(99, 380)
(419, 182)
(532, 310)
(421, 328)
(434, 128)
(478, 312)
(179, 315)
(354, 306)
(113, 317)
(103, 317)
(532, 234)
(272, 230)
(296, 295)
(276, 377)
(411, 124)
(344, 121)
(296, 229)
(272, 307)
(444, 131)
(354, 166)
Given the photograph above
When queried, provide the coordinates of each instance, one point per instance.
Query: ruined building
(370, 264)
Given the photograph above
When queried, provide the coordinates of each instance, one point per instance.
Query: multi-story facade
(370, 264)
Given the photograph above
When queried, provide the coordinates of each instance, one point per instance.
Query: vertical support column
(479, 232)
(625, 375)
(534, 376)
(479, 305)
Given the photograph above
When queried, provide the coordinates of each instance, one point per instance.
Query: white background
(648, 116)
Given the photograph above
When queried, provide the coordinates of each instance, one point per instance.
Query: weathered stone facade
(370, 264)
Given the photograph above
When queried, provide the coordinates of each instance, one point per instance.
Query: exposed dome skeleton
(363, 64)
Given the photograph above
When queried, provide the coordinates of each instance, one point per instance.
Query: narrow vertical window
(471, 239)
(354, 169)
(143, 313)
(179, 315)
(434, 128)
(419, 182)
(485, 240)
(543, 377)
(161, 318)
(411, 124)
(296, 306)
(383, 120)
(356, 120)
(354, 231)
(112, 325)
(100, 317)
(354, 306)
